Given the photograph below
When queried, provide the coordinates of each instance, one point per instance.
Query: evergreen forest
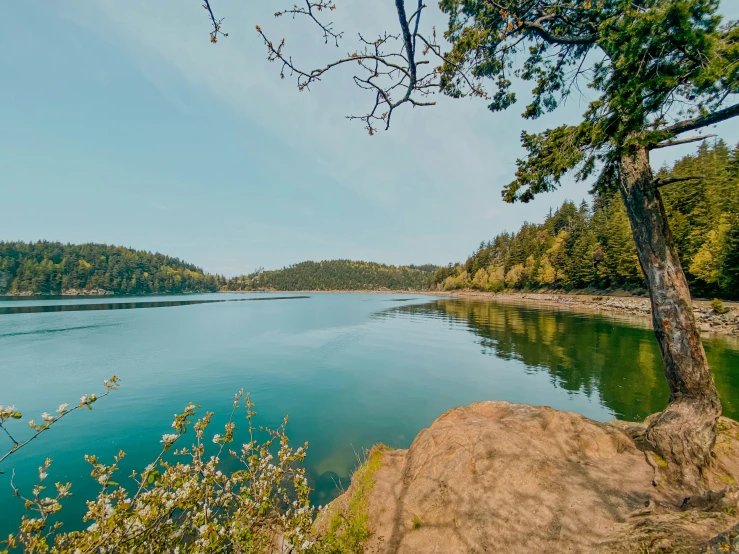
(338, 275)
(53, 268)
(578, 246)
(591, 245)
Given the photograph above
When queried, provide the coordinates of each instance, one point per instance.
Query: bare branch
(389, 66)
(408, 43)
(667, 143)
(704, 121)
(216, 23)
(662, 182)
(321, 5)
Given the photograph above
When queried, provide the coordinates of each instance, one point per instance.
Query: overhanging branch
(550, 37)
(667, 143)
(391, 66)
(704, 121)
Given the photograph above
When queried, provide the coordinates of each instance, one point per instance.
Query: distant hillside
(56, 268)
(337, 275)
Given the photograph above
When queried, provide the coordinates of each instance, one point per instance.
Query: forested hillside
(576, 247)
(591, 245)
(337, 275)
(54, 268)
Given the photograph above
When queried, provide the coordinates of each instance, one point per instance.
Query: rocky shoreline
(502, 477)
(709, 321)
(68, 292)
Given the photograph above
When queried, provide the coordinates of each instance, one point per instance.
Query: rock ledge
(502, 477)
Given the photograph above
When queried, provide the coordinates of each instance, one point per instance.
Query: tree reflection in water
(582, 352)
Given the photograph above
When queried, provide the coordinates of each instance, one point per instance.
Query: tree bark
(685, 432)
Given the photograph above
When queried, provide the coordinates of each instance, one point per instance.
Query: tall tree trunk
(685, 432)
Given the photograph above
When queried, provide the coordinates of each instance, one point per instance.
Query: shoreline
(630, 309)
(634, 310)
(710, 323)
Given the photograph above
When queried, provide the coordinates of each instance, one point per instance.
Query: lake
(350, 370)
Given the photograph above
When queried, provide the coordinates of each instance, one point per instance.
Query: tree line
(591, 245)
(337, 275)
(53, 268)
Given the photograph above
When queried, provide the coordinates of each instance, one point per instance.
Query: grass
(416, 522)
(348, 531)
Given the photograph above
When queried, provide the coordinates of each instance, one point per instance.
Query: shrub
(718, 306)
(182, 501)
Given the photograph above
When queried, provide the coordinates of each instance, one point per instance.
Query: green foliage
(718, 306)
(581, 246)
(650, 68)
(55, 268)
(337, 275)
(348, 531)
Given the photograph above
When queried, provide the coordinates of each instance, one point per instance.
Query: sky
(121, 123)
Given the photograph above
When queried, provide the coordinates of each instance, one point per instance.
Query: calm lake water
(349, 369)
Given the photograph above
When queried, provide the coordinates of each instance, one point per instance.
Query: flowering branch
(264, 502)
(9, 412)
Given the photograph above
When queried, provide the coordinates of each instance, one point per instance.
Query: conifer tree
(657, 70)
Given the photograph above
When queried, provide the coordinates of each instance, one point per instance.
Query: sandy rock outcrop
(511, 478)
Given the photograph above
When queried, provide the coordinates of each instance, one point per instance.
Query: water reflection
(586, 353)
(8, 310)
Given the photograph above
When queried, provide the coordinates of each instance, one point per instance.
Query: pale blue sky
(122, 124)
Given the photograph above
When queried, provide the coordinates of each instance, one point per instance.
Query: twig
(216, 23)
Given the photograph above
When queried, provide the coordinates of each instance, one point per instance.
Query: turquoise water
(349, 369)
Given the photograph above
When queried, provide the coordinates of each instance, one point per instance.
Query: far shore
(625, 307)
(620, 305)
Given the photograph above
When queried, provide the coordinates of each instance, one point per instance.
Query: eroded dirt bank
(510, 478)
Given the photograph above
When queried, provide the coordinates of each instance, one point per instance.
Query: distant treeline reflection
(588, 354)
(128, 305)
